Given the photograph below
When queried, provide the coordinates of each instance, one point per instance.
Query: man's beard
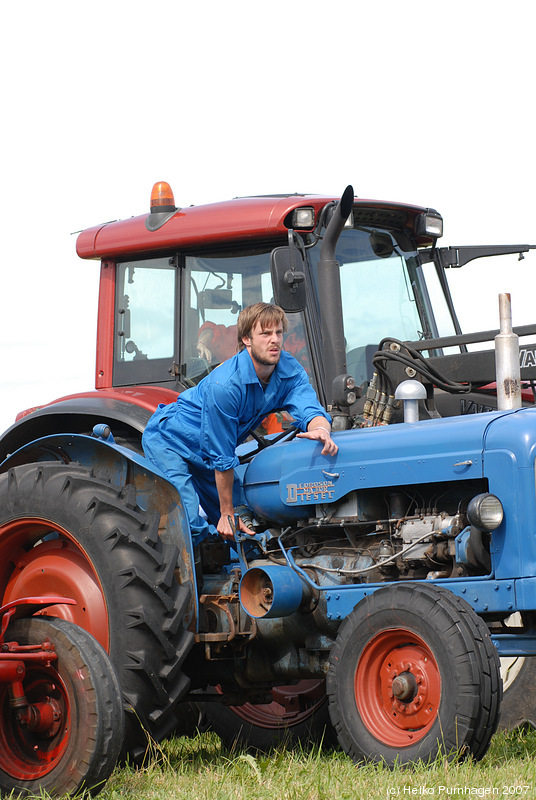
(261, 360)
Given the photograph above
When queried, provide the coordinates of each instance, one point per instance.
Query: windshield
(384, 293)
(216, 288)
(177, 318)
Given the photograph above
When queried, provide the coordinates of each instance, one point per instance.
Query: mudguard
(77, 414)
(122, 468)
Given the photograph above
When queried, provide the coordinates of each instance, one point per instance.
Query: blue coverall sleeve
(302, 401)
(219, 427)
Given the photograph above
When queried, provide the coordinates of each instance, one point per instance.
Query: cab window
(145, 321)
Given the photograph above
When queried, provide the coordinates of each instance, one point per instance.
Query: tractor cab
(167, 318)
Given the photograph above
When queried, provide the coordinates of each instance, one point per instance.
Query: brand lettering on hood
(315, 491)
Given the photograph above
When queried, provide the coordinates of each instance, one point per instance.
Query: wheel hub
(44, 718)
(397, 687)
(404, 687)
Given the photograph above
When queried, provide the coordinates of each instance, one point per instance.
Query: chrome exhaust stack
(507, 367)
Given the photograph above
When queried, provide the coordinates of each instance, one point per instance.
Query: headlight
(345, 392)
(429, 224)
(303, 218)
(485, 512)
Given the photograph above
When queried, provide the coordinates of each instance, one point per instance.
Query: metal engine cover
(284, 483)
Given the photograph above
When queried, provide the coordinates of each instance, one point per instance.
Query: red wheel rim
(291, 706)
(397, 688)
(35, 565)
(27, 755)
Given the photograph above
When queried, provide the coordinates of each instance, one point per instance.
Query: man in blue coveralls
(193, 440)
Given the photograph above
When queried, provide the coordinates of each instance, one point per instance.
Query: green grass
(202, 769)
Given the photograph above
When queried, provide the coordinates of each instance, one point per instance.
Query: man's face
(264, 344)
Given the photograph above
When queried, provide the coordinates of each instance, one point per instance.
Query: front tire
(79, 746)
(413, 673)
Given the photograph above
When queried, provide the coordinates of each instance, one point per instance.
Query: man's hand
(225, 529)
(319, 430)
(224, 485)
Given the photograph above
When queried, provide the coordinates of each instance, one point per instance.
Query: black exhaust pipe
(329, 291)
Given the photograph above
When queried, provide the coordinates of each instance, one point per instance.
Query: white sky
(429, 103)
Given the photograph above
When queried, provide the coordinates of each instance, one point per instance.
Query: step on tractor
(378, 590)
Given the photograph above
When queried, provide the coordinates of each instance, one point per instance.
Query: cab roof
(254, 219)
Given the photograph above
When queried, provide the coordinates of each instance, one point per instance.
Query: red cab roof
(254, 218)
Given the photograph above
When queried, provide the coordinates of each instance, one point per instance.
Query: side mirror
(288, 278)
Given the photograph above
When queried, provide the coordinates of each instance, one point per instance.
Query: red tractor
(82, 515)
(61, 710)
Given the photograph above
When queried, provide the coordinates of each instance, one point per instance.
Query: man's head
(265, 315)
(260, 332)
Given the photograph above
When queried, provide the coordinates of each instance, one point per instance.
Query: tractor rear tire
(298, 715)
(80, 699)
(518, 707)
(413, 674)
(64, 531)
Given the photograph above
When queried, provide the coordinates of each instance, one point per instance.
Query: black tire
(63, 531)
(518, 709)
(79, 749)
(413, 673)
(491, 685)
(298, 715)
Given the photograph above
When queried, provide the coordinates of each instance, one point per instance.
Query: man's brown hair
(266, 314)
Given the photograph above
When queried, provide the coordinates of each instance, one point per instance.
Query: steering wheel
(263, 442)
